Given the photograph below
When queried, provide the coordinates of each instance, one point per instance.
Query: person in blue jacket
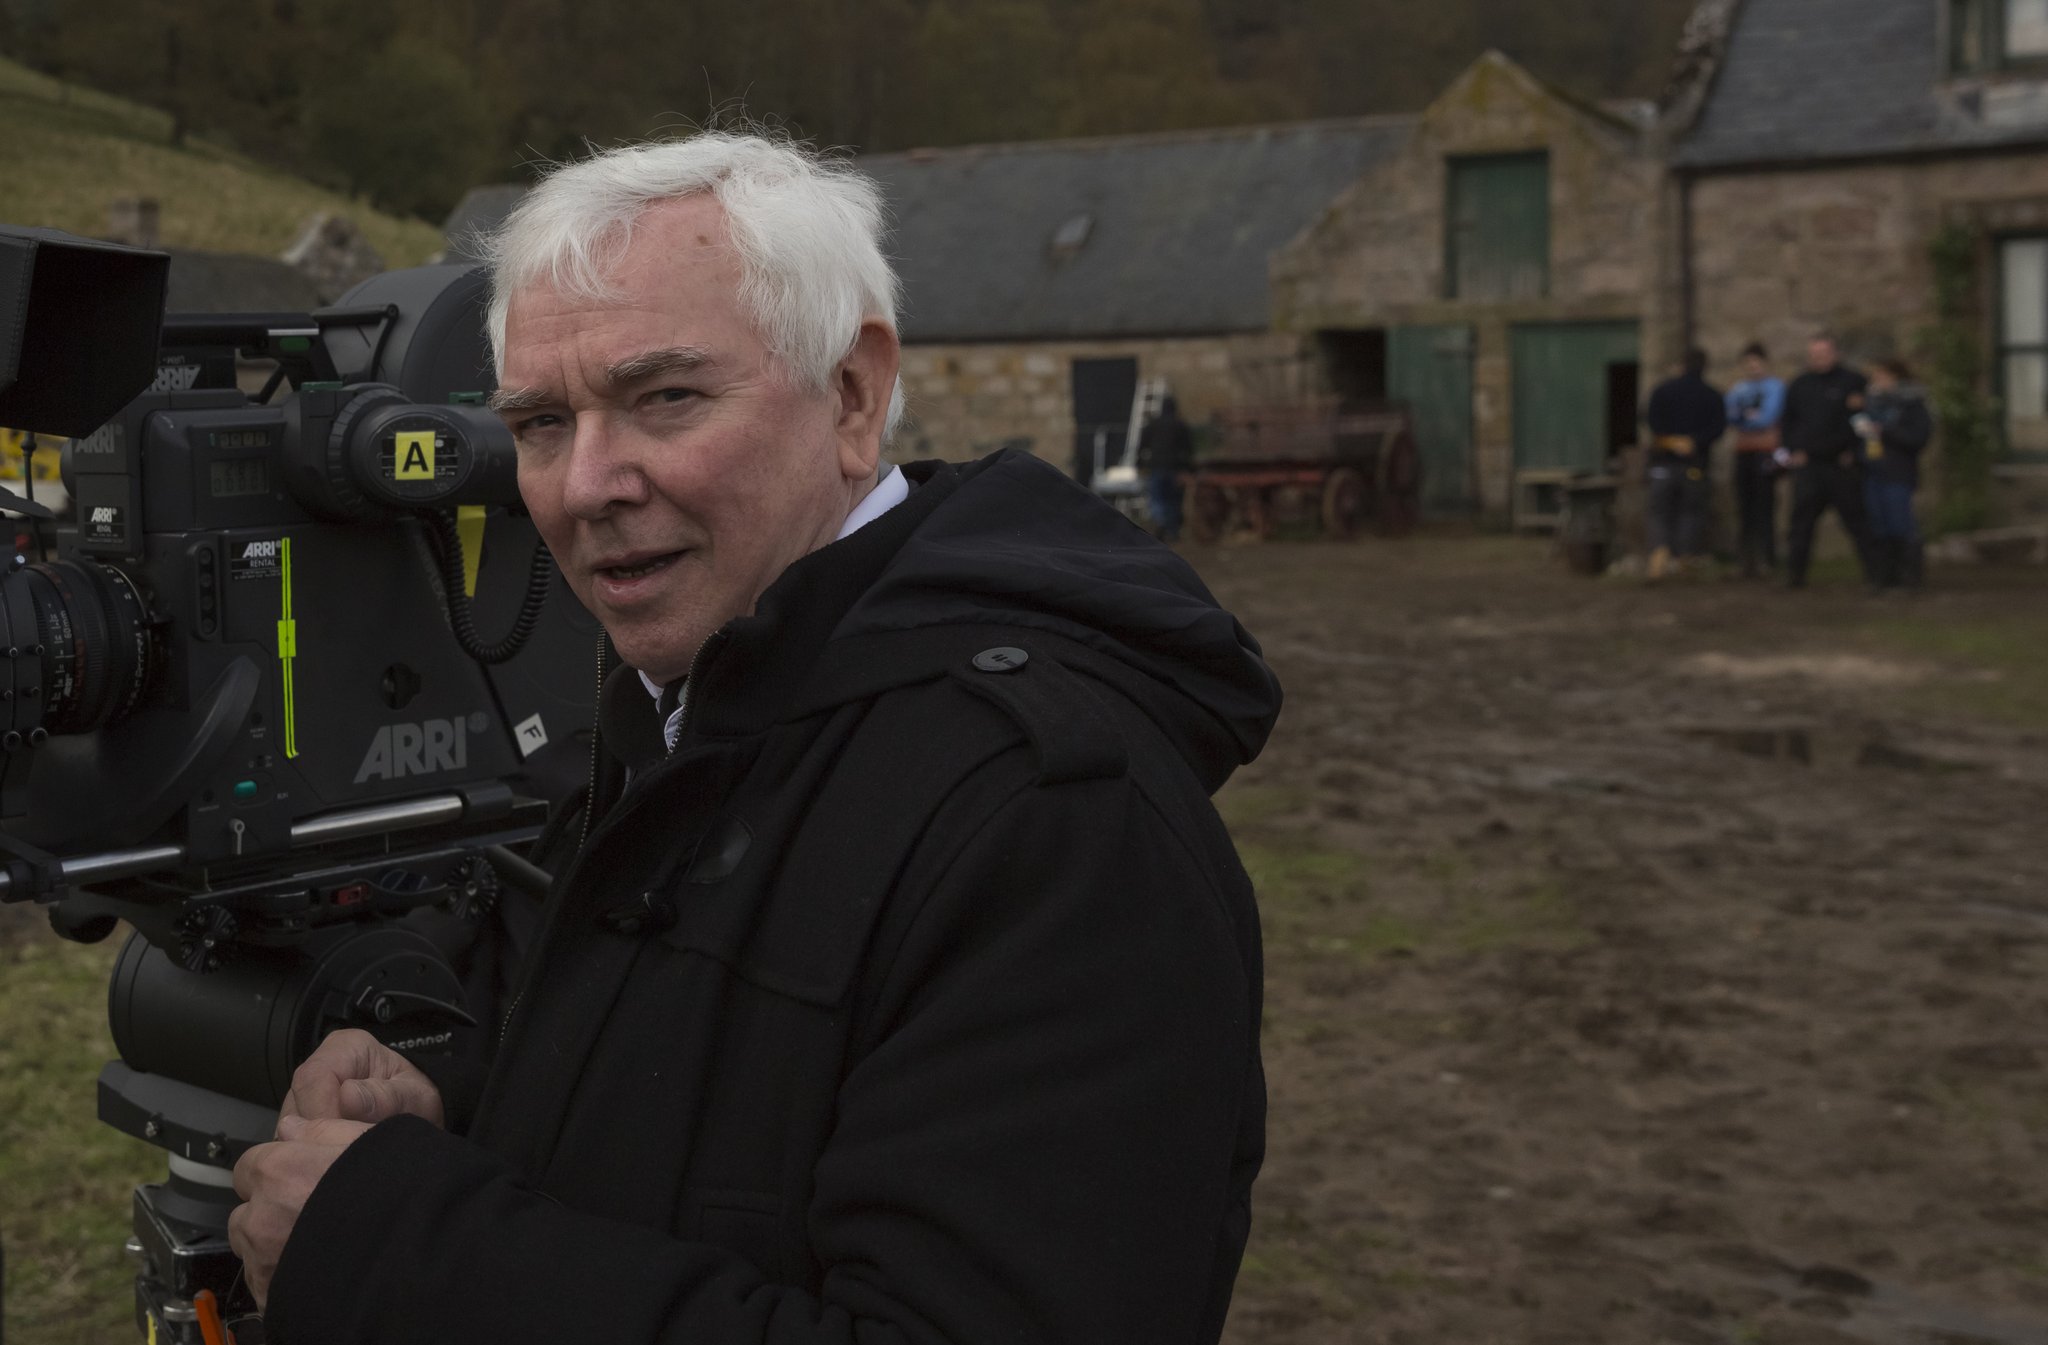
(1756, 408)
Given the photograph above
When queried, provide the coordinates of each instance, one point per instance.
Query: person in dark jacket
(1896, 427)
(900, 982)
(1825, 455)
(1166, 453)
(1687, 415)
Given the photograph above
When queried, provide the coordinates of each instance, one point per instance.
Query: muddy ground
(1646, 965)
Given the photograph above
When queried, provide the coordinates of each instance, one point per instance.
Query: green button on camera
(244, 791)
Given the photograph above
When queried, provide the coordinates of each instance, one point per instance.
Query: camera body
(243, 703)
(311, 654)
(248, 622)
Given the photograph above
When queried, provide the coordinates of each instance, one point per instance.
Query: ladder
(1119, 477)
(1145, 405)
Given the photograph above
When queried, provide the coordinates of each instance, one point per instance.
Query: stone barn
(1043, 281)
(1498, 272)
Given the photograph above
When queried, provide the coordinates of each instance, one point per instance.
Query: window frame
(2001, 351)
(1992, 14)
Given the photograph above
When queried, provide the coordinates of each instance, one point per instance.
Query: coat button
(1003, 659)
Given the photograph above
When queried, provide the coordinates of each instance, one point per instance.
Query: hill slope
(66, 151)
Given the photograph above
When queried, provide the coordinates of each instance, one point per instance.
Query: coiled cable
(540, 574)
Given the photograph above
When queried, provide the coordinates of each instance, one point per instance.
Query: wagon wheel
(1208, 512)
(1344, 501)
(1398, 501)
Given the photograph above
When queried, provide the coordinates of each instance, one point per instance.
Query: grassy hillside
(65, 151)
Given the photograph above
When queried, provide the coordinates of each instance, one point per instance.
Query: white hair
(808, 231)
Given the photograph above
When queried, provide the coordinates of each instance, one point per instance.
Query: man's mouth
(630, 570)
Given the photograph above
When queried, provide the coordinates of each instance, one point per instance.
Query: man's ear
(864, 383)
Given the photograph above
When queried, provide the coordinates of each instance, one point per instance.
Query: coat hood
(997, 548)
(1013, 542)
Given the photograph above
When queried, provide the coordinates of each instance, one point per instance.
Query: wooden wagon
(1347, 468)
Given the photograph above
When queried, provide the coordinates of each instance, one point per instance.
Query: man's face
(674, 467)
(1821, 356)
(1753, 367)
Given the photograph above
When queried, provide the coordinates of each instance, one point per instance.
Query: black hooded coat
(913, 997)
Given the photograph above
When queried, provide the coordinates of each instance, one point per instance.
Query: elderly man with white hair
(898, 982)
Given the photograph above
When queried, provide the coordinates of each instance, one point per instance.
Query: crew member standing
(1826, 456)
(1756, 408)
(1166, 452)
(1896, 428)
(1686, 416)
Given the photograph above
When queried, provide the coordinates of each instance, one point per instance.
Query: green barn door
(1497, 228)
(1430, 368)
(1565, 375)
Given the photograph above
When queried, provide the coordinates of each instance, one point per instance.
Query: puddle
(2006, 911)
(1895, 1316)
(1769, 744)
(1878, 1312)
(1847, 671)
(1890, 756)
(1804, 748)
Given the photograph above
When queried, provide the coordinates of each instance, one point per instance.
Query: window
(2023, 343)
(1986, 35)
(1497, 234)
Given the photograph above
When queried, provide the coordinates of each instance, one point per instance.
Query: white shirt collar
(892, 490)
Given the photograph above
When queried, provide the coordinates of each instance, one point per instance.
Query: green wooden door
(1563, 377)
(1497, 228)
(1430, 368)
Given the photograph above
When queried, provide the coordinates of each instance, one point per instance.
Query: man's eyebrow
(622, 373)
(506, 401)
(654, 363)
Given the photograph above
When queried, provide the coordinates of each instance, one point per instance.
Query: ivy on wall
(1970, 430)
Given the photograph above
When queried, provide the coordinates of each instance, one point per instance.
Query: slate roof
(1165, 234)
(1819, 80)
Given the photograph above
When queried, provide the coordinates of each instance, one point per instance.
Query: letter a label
(412, 457)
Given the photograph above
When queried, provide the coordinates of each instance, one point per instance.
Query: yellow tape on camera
(412, 456)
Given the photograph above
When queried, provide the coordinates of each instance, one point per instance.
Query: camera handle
(32, 874)
(80, 870)
(18, 504)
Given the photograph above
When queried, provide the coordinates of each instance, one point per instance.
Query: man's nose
(604, 473)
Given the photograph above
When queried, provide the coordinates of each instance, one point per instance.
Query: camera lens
(91, 636)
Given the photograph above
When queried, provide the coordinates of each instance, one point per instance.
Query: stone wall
(965, 400)
(1376, 256)
(1779, 256)
(1375, 259)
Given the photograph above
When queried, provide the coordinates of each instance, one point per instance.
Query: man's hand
(355, 1077)
(274, 1181)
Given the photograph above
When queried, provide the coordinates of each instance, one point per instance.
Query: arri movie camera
(244, 704)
